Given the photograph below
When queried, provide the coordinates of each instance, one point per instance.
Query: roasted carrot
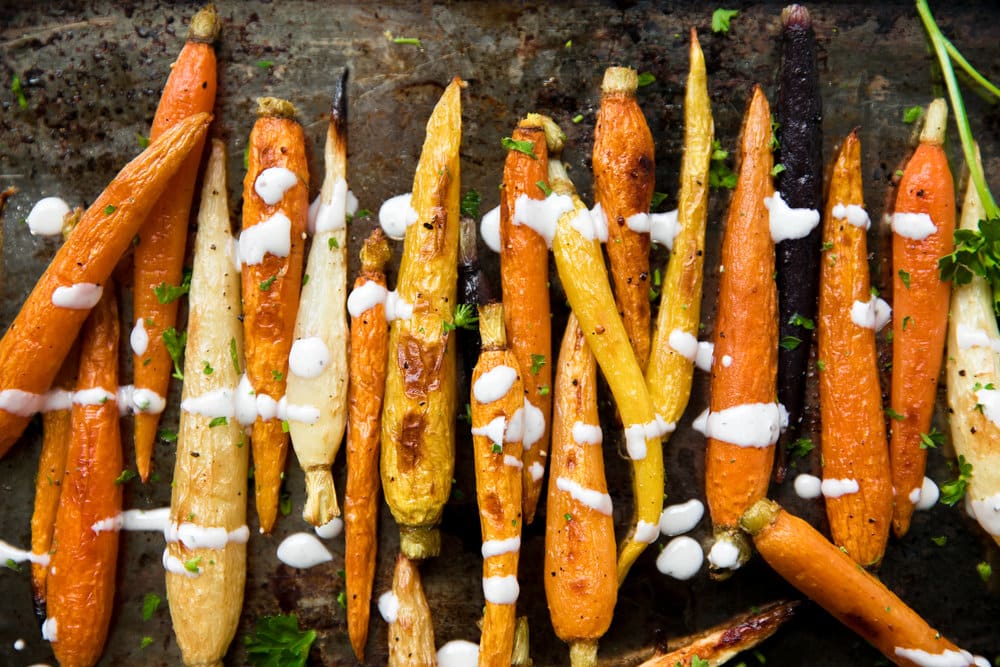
(524, 275)
(206, 566)
(850, 593)
(497, 397)
(81, 583)
(743, 420)
(159, 255)
(581, 585)
(923, 223)
(581, 269)
(418, 415)
(799, 145)
(411, 633)
(271, 249)
(37, 342)
(854, 446)
(670, 372)
(972, 383)
(317, 382)
(624, 176)
(367, 364)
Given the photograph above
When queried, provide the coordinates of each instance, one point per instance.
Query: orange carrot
(159, 256)
(854, 443)
(41, 335)
(746, 333)
(854, 597)
(369, 352)
(924, 224)
(81, 580)
(272, 276)
(524, 275)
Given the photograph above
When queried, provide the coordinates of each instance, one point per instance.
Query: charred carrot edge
(972, 369)
(322, 321)
(746, 332)
(498, 465)
(852, 595)
(717, 645)
(271, 289)
(624, 176)
(368, 357)
(524, 275)
(418, 414)
(37, 342)
(580, 262)
(159, 255)
(210, 470)
(799, 114)
(921, 301)
(854, 445)
(411, 634)
(669, 374)
(81, 580)
(581, 585)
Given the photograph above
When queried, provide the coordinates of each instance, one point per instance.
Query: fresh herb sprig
(277, 641)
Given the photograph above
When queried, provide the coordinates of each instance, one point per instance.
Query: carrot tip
(275, 107)
(338, 108)
(620, 81)
(760, 515)
(583, 653)
(555, 138)
(375, 253)
(419, 542)
(205, 25)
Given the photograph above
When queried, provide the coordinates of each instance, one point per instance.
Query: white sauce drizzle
(683, 343)
(50, 630)
(302, 551)
(458, 653)
(587, 434)
(494, 384)
(494, 430)
(493, 548)
(990, 400)
(308, 357)
(541, 215)
(137, 399)
(246, 402)
(636, 436)
(987, 513)
(273, 236)
(396, 308)
(835, 488)
(967, 337)
(854, 214)
(537, 470)
(588, 226)
(9, 552)
(747, 425)
(681, 558)
(501, 590)
(139, 338)
(664, 228)
(46, 216)
(79, 296)
(789, 223)
(928, 494)
(646, 532)
(388, 606)
(872, 314)
(512, 461)
(213, 404)
(18, 644)
(272, 184)
(396, 214)
(20, 403)
(533, 425)
(681, 518)
(705, 356)
(724, 555)
(93, 396)
(595, 500)
(330, 529)
(365, 297)
(947, 658)
(808, 486)
(916, 226)
(333, 216)
(175, 565)
(489, 229)
(727, 361)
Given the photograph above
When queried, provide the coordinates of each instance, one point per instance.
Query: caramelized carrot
(369, 351)
(37, 342)
(850, 593)
(524, 275)
(923, 224)
(497, 396)
(81, 580)
(271, 250)
(624, 175)
(159, 255)
(580, 582)
(740, 449)
(855, 450)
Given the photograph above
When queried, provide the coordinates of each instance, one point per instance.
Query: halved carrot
(580, 582)
(37, 342)
(624, 176)
(271, 249)
(848, 592)
(81, 580)
(367, 363)
(923, 225)
(854, 447)
(411, 632)
(497, 396)
(159, 255)
(740, 449)
(524, 276)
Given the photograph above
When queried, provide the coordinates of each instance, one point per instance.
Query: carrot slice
(37, 342)
(800, 554)
(580, 582)
(271, 249)
(81, 580)
(924, 224)
(855, 450)
(159, 255)
(740, 449)
(367, 363)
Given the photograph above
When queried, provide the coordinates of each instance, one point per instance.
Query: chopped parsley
(342, 599)
(797, 320)
(939, 541)
(953, 491)
(12, 564)
(277, 375)
(109, 209)
(905, 277)
(218, 421)
(265, 64)
(777, 169)
(207, 368)
(657, 200)
(265, 286)
(466, 317)
(931, 440)
(984, 570)
(146, 641)
(470, 204)
(332, 243)
(191, 564)
(719, 173)
(894, 415)
(537, 362)
(18, 90)
(410, 41)
(544, 187)
(525, 147)
(142, 140)
(543, 390)
(234, 355)
(175, 343)
(277, 640)
(801, 447)
(150, 604)
(721, 19)
(568, 516)
(496, 449)
(125, 477)
(169, 293)
(789, 342)
(168, 436)
(645, 79)
(913, 114)
(577, 119)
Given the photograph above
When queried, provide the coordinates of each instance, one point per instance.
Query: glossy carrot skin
(41, 335)
(854, 444)
(369, 354)
(746, 326)
(917, 347)
(524, 275)
(81, 581)
(271, 296)
(159, 255)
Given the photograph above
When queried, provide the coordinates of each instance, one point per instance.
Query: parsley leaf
(789, 342)
(175, 343)
(719, 173)
(168, 436)
(168, 293)
(913, 114)
(977, 253)
(658, 199)
(410, 41)
(931, 440)
(797, 320)
(191, 564)
(720, 23)
(146, 641)
(984, 570)
(125, 476)
(646, 79)
(905, 277)
(537, 362)
(894, 415)
(777, 169)
(234, 355)
(18, 90)
(207, 368)
(525, 147)
(150, 604)
(470, 204)
(218, 421)
(265, 286)
(801, 447)
(577, 119)
(698, 662)
(940, 541)
(544, 187)
(953, 491)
